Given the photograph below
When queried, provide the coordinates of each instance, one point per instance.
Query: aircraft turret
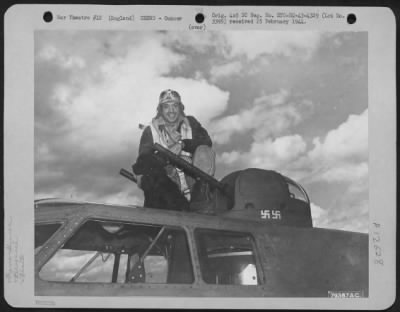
(265, 196)
(250, 194)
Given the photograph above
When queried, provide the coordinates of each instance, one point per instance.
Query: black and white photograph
(280, 118)
(190, 163)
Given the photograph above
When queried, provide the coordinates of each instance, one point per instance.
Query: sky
(291, 101)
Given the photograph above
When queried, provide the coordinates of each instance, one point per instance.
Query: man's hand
(139, 180)
(176, 149)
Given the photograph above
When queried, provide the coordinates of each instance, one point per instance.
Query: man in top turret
(168, 187)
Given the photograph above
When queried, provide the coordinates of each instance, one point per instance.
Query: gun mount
(191, 170)
(250, 194)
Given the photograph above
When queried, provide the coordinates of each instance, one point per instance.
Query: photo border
(19, 140)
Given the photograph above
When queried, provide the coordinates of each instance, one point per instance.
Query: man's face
(170, 111)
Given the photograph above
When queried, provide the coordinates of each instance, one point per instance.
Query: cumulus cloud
(270, 115)
(43, 152)
(288, 43)
(103, 115)
(92, 89)
(343, 154)
(274, 153)
(96, 109)
(349, 140)
(268, 122)
(225, 70)
(346, 172)
(338, 158)
(348, 215)
(233, 44)
(51, 53)
(201, 42)
(267, 154)
(319, 216)
(274, 99)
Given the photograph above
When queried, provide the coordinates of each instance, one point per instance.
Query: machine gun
(166, 157)
(188, 168)
(244, 194)
(128, 175)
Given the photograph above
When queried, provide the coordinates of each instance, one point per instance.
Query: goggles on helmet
(169, 96)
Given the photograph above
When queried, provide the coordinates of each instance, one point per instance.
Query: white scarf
(169, 137)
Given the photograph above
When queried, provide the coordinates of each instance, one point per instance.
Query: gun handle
(128, 175)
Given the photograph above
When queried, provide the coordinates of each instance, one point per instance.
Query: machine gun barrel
(128, 175)
(189, 168)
